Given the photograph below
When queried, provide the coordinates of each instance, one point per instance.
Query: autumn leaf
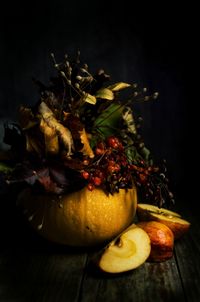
(26, 118)
(86, 150)
(105, 93)
(129, 120)
(88, 98)
(118, 86)
(63, 132)
(50, 137)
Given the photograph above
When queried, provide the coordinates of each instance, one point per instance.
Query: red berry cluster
(143, 173)
(152, 183)
(110, 169)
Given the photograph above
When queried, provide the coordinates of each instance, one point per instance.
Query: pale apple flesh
(126, 252)
(147, 209)
(173, 220)
(162, 240)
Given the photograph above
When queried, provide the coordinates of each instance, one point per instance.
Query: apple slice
(126, 252)
(147, 209)
(147, 212)
(162, 240)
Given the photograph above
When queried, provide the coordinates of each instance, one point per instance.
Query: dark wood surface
(32, 269)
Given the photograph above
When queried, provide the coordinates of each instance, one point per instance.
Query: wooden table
(32, 269)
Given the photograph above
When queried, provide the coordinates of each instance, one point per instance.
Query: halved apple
(126, 252)
(147, 212)
(162, 240)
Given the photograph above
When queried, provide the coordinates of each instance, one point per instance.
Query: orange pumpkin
(82, 218)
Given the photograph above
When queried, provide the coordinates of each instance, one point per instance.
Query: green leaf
(131, 153)
(91, 99)
(107, 123)
(146, 154)
(105, 93)
(118, 86)
(5, 168)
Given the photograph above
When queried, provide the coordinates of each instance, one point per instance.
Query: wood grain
(149, 282)
(187, 251)
(40, 277)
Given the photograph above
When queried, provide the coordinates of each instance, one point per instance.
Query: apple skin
(126, 252)
(171, 219)
(162, 240)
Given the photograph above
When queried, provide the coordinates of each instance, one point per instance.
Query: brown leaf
(80, 138)
(32, 145)
(26, 118)
(87, 150)
(49, 185)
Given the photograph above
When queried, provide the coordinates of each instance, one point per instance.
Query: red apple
(162, 240)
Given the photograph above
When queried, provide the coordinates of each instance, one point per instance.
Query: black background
(151, 45)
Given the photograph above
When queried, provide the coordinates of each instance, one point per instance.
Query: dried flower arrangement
(84, 171)
(83, 132)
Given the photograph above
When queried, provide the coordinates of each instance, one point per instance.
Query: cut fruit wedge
(126, 252)
(147, 212)
(147, 209)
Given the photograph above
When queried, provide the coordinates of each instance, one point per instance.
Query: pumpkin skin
(82, 218)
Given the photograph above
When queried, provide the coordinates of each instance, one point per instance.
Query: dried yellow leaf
(105, 93)
(64, 133)
(118, 86)
(91, 99)
(50, 137)
(86, 150)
